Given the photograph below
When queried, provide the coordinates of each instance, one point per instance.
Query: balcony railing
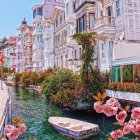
(105, 21)
(105, 25)
(47, 34)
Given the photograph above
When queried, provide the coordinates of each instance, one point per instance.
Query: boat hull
(81, 135)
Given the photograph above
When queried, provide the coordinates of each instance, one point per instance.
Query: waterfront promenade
(5, 107)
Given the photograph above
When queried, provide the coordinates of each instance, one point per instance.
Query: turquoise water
(35, 111)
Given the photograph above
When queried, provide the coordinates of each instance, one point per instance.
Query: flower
(3, 138)
(135, 113)
(137, 138)
(13, 134)
(113, 102)
(121, 116)
(117, 134)
(128, 129)
(22, 129)
(136, 130)
(109, 111)
(8, 129)
(98, 107)
(138, 122)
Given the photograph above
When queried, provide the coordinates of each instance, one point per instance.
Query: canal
(35, 111)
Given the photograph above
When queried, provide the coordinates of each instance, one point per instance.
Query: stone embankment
(5, 107)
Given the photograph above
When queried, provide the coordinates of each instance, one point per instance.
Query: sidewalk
(4, 102)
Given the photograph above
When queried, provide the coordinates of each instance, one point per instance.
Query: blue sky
(12, 13)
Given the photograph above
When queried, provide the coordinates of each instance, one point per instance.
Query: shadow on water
(35, 112)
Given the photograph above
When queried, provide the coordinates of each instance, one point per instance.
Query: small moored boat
(72, 128)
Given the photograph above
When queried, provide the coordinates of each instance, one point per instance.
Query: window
(118, 8)
(40, 11)
(81, 24)
(67, 9)
(80, 53)
(66, 60)
(74, 6)
(91, 20)
(103, 50)
(34, 13)
(61, 61)
(61, 19)
(75, 54)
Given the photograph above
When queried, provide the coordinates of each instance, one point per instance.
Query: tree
(87, 40)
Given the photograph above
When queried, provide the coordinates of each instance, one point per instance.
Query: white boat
(72, 128)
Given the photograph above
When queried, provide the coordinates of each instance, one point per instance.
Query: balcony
(71, 18)
(37, 31)
(80, 4)
(48, 35)
(105, 25)
(38, 18)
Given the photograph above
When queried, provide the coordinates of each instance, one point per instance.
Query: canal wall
(127, 96)
(5, 107)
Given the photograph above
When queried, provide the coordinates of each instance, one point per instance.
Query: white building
(118, 23)
(41, 15)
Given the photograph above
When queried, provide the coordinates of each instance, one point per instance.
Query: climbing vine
(87, 41)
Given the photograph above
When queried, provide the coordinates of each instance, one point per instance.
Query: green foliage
(34, 78)
(87, 40)
(25, 79)
(58, 81)
(44, 74)
(125, 87)
(128, 73)
(16, 78)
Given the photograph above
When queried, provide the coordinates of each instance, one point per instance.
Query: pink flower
(128, 129)
(138, 122)
(8, 129)
(13, 134)
(136, 130)
(137, 138)
(135, 113)
(3, 139)
(121, 116)
(22, 129)
(98, 107)
(117, 134)
(109, 111)
(113, 102)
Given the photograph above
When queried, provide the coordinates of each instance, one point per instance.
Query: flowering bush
(13, 131)
(125, 87)
(112, 107)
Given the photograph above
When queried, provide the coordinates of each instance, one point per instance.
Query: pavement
(4, 97)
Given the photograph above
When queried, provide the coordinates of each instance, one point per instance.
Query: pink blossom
(136, 130)
(128, 129)
(113, 102)
(109, 111)
(8, 129)
(121, 116)
(98, 107)
(135, 113)
(3, 139)
(117, 134)
(13, 134)
(137, 138)
(138, 122)
(22, 129)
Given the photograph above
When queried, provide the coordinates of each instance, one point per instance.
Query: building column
(121, 73)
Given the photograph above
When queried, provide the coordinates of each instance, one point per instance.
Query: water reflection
(35, 112)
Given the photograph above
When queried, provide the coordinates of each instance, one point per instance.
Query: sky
(12, 12)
